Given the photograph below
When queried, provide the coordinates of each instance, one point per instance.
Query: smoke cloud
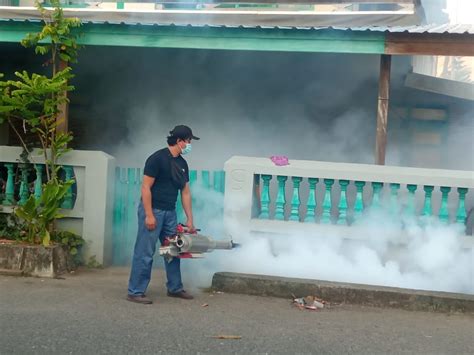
(387, 251)
(305, 106)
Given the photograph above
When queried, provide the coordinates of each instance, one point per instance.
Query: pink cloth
(279, 160)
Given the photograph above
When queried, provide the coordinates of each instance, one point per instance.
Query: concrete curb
(8, 272)
(34, 260)
(335, 292)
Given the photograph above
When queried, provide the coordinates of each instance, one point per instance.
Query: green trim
(257, 39)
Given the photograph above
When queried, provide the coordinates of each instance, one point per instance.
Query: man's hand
(186, 201)
(190, 225)
(150, 222)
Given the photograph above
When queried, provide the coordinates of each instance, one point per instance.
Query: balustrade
(349, 190)
(19, 181)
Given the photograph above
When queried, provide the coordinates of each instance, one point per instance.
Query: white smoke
(304, 106)
(427, 256)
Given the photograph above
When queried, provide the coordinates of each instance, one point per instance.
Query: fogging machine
(187, 244)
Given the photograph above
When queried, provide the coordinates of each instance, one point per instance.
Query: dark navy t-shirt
(164, 192)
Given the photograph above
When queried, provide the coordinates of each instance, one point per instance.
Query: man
(165, 173)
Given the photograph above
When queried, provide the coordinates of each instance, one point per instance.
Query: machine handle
(182, 228)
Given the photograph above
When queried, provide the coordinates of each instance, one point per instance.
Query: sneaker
(139, 299)
(181, 294)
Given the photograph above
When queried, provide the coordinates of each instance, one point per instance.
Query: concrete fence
(306, 196)
(89, 212)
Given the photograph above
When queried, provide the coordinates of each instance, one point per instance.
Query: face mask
(186, 149)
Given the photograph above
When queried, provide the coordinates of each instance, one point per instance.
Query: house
(321, 80)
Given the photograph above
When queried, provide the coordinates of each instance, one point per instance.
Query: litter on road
(309, 302)
(227, 337)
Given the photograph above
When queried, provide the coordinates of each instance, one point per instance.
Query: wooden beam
(449, 44)
(440, 85)
(382, 109)
(4, 132)
(62, 121)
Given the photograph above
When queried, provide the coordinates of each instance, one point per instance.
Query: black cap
(183, 132)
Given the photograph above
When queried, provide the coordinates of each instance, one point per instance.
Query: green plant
(11, 227)
(57, 37)
(36, 100)
(39, 214)
(73, 242)
(92, 263)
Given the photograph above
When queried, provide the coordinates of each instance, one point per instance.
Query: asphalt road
(86, 313)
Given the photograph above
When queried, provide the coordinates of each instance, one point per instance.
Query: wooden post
(382, 109)
(63, 117)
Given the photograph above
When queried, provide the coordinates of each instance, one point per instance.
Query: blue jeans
(145, 247)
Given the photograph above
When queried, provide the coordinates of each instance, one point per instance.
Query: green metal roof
(295, 31)
(256, 38)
